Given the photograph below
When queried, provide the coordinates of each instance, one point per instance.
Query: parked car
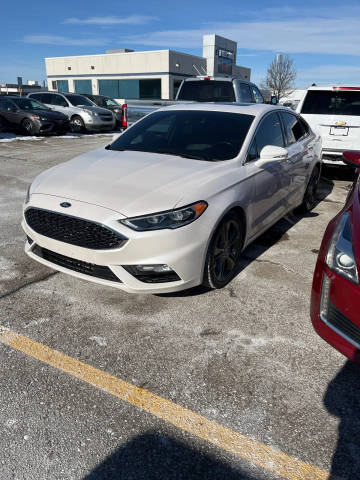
(31, 117)
(119, 111)
(335, 299)
(219, 89)
(83, 114)
(171, 203)
(334, 113)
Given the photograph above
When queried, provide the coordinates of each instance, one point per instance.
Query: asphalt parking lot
(231, 384)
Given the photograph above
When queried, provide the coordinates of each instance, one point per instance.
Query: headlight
(27, 197)
(171, 219)
(340, 257)
(90, 112)
(116, 110)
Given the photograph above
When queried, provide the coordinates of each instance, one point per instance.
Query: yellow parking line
(250, 450)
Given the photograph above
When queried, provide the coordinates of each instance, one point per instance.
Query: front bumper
(182, 249)
(96, 123)
(53, 126)
(340, 324)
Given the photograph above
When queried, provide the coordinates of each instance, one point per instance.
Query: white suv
(333, 113)
(82, 112)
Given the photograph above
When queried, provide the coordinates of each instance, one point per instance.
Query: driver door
(272, 179)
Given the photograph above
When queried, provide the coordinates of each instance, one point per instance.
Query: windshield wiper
(165, 152)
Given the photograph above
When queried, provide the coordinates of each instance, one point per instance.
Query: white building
(142, 75)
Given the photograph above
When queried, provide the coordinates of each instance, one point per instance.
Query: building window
(69, 68)
(54, 85)
(83, 86)
(134, 89)
(63, 86)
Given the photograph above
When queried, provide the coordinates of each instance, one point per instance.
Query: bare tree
(280, 76)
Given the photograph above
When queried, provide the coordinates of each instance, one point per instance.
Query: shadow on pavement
(270, 237)
(152, 456)
(342, 399)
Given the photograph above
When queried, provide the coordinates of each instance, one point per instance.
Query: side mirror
(352, 158)
(274, 100)
(272, 153)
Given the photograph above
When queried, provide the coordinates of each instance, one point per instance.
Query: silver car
(82, 112)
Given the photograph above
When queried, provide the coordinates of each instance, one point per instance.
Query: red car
(335, 298)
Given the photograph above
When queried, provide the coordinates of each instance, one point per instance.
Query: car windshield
(207, 91)
(332, 102)
(110, 102)
(79, 100)
(29, 104)
(199, 134)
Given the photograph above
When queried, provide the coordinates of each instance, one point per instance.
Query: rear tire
(309, 200)
(28, 127)
(224, 252)
(77, 124)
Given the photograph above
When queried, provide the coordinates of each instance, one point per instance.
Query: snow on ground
(12, 137)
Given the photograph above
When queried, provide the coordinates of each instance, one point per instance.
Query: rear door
(300, 154)
(272, 180)
(335, 116)
(8, 112)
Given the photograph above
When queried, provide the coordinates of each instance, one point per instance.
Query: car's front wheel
(223, 256)
(77, 124)
(28, 127)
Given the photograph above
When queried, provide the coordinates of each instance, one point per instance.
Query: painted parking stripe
(222, 437)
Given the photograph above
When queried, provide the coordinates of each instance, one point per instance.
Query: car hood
(94, 108)
(128, 182)
(49, 114)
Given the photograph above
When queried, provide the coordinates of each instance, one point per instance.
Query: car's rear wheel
(77, 124)
(223, 256)
(310, 197)
(28, 127)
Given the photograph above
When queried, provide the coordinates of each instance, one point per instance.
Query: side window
(45, 98)
(269, 133)
(36, 96)
(294, 130)
(305, 126)
(245, 93)
(59, 101)
(257, 95)
(8, 105)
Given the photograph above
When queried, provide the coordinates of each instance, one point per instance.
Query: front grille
(98, 271)
(106, 118)
(73, 230)
(338, 320)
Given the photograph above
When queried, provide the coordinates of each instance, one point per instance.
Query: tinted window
(207, 91)
(6, 104)
(78, 100)
(45, 98)
(294, 130)
(269, 133)
(245, 94)
(29, 104)
(203, 135)
(332, 103)
(257, 95)
(58, 100)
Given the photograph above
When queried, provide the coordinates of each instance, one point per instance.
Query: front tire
(28, 127)
(224, 253)
(77, 124)
(309, 200)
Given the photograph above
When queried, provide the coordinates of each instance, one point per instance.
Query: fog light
(325, 296)
(153, 268)
(159, 273)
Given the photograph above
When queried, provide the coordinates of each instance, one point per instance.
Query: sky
(322, 37)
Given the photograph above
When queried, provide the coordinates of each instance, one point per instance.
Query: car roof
(201, 78)
(254, 109)
(336, 88)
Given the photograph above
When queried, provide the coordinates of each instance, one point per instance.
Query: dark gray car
(31, 117)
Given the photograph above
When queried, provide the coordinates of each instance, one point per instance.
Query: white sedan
(172, 202)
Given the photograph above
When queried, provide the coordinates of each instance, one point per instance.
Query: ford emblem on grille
(65, 204)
